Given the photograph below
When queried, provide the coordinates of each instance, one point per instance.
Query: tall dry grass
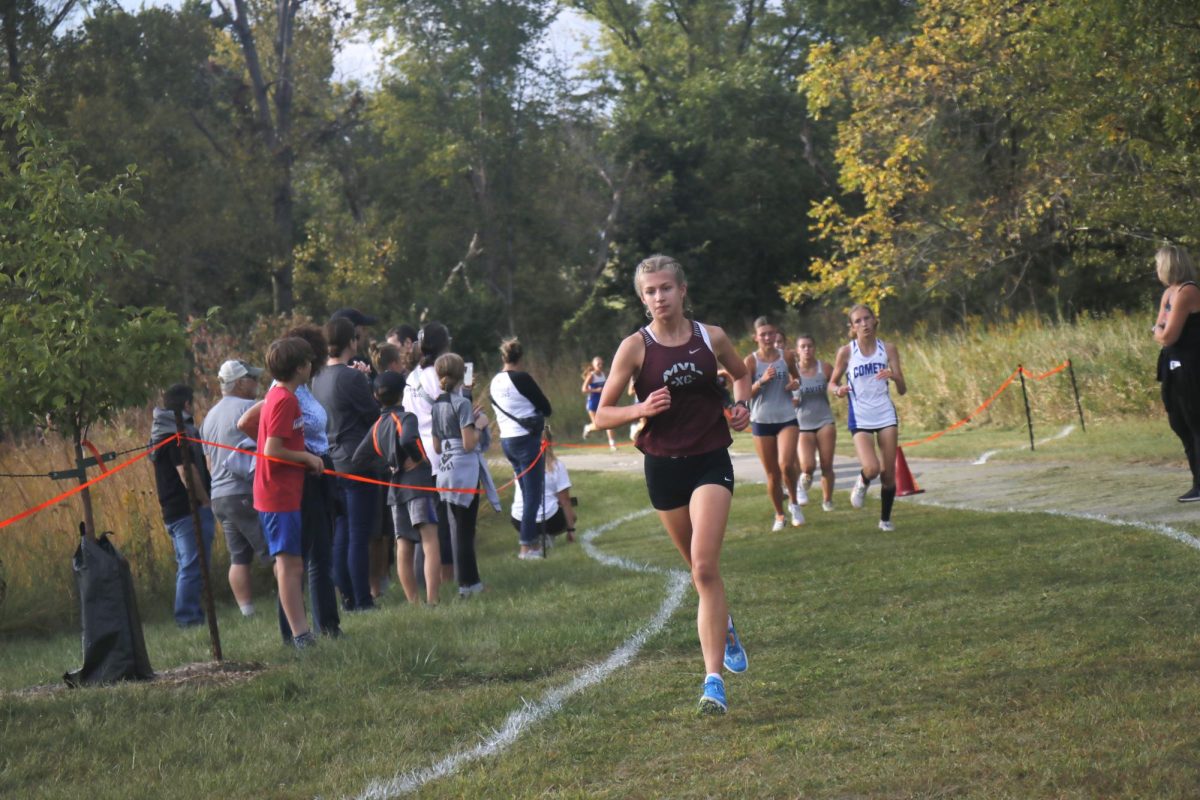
(36, 552)
(949, 375)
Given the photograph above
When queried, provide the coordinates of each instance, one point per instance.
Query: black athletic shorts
(672, 479)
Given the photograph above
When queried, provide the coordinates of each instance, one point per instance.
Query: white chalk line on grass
(983, 459)
(1152, 527)
(552, 701)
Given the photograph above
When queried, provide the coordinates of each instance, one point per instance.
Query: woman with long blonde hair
(673, 362)
(1177, 329)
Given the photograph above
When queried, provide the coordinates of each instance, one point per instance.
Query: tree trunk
(9, 19)
(11, 23)
(85, 497)
(276, 131)
(281, 277)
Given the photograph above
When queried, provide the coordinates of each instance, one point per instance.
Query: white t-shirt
(507, 396)
(557, 479)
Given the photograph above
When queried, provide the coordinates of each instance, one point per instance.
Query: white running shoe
(778, 526)
(886, 525)
(827, 505)
(801, 493)
(859, 493)
(587, 428)
(805, 480)
(612, 446)
(797, 514)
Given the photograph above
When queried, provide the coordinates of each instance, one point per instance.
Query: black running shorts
(672, 479)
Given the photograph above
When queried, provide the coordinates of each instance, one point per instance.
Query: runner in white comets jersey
(868, 365)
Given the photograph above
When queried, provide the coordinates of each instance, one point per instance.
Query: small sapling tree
(71, 357)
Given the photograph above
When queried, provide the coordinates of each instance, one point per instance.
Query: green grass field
(968, 655)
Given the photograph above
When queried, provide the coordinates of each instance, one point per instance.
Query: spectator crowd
(355, 445)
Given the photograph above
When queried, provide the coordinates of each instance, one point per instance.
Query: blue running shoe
(735, 654)
(713, 699)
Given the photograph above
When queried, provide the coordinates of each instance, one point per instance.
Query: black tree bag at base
(114, 648)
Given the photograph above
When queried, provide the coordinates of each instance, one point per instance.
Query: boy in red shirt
(278, 486)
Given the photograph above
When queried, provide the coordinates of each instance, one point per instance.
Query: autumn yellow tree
(1007, 154)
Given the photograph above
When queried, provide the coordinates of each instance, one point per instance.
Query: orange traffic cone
(905, 485)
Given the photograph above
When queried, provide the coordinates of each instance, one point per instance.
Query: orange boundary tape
(77, 489)
(108, 473)
(375, 481)
(1012, 376)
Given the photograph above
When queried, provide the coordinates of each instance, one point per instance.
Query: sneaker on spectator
(304, 641)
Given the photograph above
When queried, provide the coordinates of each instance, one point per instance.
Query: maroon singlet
(695, 422)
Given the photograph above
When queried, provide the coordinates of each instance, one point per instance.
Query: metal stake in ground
(1075, 389)
(214, 635)
(1025, 394)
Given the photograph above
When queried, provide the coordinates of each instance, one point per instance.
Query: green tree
(285, 51)
(1008, 154)
(724, 158)
(488, 202)
(147, 89)
(71, 356)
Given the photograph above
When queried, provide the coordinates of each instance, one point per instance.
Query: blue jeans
(521, 452)
(351, 538)
(188, 581)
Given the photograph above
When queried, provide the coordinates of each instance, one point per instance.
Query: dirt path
(1130, 493)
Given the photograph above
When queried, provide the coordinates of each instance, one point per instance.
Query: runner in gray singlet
(812, 410)
(818, 434)
(773, 403)
(773, 421)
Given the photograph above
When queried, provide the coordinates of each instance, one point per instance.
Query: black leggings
(1181, 398)
(462, 537)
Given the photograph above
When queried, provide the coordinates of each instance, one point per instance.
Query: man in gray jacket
(233, 490)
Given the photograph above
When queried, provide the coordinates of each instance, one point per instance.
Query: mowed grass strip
(977, 655)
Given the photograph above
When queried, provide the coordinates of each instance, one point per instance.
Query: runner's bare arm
(839, 371)
(894, 371)
(625, 367)
(739, 416)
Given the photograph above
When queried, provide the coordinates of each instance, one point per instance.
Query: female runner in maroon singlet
(673, 362)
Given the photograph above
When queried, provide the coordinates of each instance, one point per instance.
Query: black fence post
(1025, 394)
(1075, 389)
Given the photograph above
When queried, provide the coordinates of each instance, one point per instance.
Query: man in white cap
(232, 489)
